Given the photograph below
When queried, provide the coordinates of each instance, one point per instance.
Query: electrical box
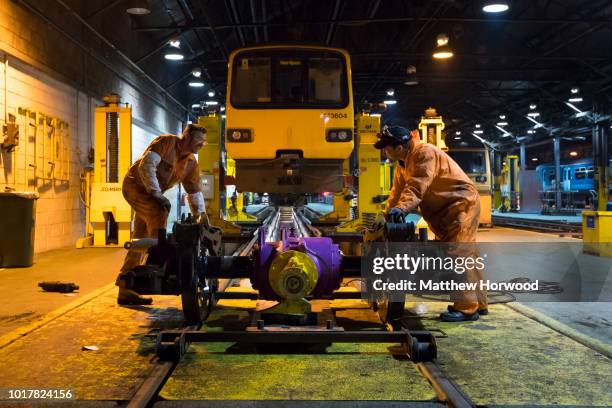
(11, 136)
(208, 186)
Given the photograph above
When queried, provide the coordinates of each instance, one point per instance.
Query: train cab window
(470, 162)
(590, 173)
(580, 173)
(252, 83)
(285, 79)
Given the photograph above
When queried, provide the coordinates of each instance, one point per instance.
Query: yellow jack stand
(108, 216)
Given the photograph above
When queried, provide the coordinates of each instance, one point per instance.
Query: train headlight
(339, 135)
(239, 135)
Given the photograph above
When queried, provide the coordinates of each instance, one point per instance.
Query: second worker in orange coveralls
(426, 177)
(168, 160)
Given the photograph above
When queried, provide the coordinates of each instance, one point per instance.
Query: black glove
(395, 214)
(162, 201)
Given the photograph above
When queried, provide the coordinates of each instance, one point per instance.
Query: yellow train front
(289, 118)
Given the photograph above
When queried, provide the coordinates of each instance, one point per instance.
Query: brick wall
(49, 73)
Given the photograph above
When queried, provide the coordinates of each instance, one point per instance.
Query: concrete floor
(35, 323)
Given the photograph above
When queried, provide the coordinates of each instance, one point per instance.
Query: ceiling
(532, 54)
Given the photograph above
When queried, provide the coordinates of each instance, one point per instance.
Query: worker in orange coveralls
(168, 160)
(426, 177)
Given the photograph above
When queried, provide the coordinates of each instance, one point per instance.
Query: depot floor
(547, 353)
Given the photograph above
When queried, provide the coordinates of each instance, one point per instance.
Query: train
(289, 118)
(577, 183)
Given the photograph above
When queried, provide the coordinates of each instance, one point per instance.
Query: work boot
(482, 312)
(129, 297)
(456, 316)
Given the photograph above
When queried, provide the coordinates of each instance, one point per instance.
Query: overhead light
(222, 109)
(196, 106)
(531, 131)
(534, 159)
(533, 106)
(138, 7)
(390, 102)
(390, 92)
(458, 132)
(196, 84)
(573, 154)
(502, 123)
(442, 51)
(376, 115)
(174, 56)
(478, 132)
(222, 116)
(211, 93)
(574, 90)
(575, 99)
(175, 42)
(196, 72)
(502, 117)
(495, 6)
(477, 126)
(457, 137)
(412, 81)
(533, 114)
(211, 103)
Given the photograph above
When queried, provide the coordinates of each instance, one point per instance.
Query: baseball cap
(392, 135)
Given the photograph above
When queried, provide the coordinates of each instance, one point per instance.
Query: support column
(601, 131)
(557, 156)
(523, 168)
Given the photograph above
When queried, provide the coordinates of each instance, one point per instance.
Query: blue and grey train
(577, 179)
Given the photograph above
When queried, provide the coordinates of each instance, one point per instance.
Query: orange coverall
(173, 168)
(428, 178)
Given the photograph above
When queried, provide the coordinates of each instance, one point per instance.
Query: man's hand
(395, 214)
(162, 201)
(202, 219)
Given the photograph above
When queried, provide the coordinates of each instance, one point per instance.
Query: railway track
(538, 225)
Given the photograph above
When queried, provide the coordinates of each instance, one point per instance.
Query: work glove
(395, 215)
(202, 219)
(162, 201)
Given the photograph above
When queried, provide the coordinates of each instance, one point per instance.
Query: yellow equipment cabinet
(597, 232)
(510, 187)
(108, 215)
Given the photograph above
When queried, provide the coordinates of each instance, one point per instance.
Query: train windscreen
(289, 79)
(470, 162)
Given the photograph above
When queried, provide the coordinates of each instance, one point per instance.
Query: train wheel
(197, 296)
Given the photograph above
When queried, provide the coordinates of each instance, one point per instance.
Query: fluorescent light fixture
(443, 52)
(531, 131)
(196, 84)
(502, 123)
(138, 7)
(534, 159)
(533, 114)
(457, 137)
(573, 154)
(222, 109)
(502, 117)
(477, 126)
(196, 106)
(458, 132)
(533, 106)
(390, 102)
(175, 42)
(478, 132)
(574, 90)
(390, 92)
(575, 99)
(211, 93)
(196, 72)
(495, 6)
(211, 103)
(174, 56)
(376, 115)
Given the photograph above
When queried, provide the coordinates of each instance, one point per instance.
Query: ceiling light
(458, 132)
(534, 159)
(175, 42)
(390, 102)
(574, 90)
(495, 6)
(573, 154)
(411, 81)
(502, 123)
(533, 114)
(531, 132)
(477, 126)
(390, 92)
(222, 109)
(457, 137)
(211, 93)
(211, 103)
(195, 106)
(196, 72)
(222, 116)
(478, 132)
(533, 106)
(196, 84)
(138, 7)
(174, 56)
(502, 117)
(576, 99)
(442, 51)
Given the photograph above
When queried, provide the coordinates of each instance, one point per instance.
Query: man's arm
(148, 172)
(396, 188)
(425, 169)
